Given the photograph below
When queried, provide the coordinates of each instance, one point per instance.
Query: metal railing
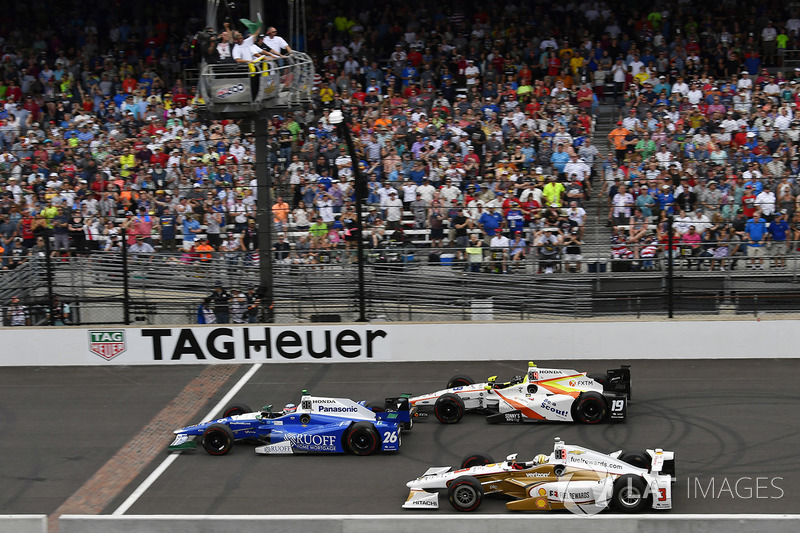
(402, 283)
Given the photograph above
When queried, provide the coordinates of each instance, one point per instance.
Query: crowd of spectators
(469, 119)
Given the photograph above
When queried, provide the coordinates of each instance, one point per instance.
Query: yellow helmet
(541, 459)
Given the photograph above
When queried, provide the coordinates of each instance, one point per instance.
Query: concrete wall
(342, 343)
(511, 523)
(12, 523)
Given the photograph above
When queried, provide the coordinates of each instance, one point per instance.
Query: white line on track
(141, 489)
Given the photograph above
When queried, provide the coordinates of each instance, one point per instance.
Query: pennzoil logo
(107, 343)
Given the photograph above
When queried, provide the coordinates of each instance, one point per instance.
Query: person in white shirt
(765, 200)
(245, 50)
(393, 211)
(499, 252)
(695, 95)
(681, 87)
(275, 43)
(745, 82)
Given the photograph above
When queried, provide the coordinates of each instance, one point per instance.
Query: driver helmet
(289, 408)
(541, 459)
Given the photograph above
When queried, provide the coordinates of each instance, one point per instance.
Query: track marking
(136, 494)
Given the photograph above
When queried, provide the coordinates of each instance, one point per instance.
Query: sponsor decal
(245, 343)
(107, 343)
(576, 452)
(225, 92)
(537, 474)
(549, 405)
(429, 503)
(336, 409)
(581, 383)
(322, 443)
(513, 417)
(579, 495)
(318, 400)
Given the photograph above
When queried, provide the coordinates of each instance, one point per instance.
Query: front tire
(629, 494)
(449, 408)
(465, 493)
(476, 459)
(218, 439)
(362, 439)
(590, 408)
(236, 409)
(459, 380)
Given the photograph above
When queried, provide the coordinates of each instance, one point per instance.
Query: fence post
(48, 263)
(126, 302)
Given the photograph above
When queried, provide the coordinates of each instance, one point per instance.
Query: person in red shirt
(159, 157)
(748, 202)
(128, 84)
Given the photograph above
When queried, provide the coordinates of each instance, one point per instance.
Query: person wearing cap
(219, 302)
(16, 313)
(779, 239)
(392, 210)
(141, 247)
(618, 139)
(756, 238)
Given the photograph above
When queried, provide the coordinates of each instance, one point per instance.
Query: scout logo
(107, 344)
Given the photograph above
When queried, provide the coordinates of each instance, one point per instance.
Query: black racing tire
(377, 407)
(602, 379)
(630, 494)
(236, 409)
(218, 439)
(476, 459)
(465, 493)
(590, 408)
(362, 439)
(459, 380)
(637, 459)
(449, 408)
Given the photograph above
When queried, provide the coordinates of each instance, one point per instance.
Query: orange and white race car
(572, 477)
(542, 394)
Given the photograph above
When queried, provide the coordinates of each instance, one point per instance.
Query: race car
(542, 394)
(317, 425)
(572, 477)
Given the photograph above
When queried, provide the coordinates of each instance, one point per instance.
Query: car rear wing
(397, 409)
(619, 380)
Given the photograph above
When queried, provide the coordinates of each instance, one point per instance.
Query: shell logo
(542, 492)
(540, 503)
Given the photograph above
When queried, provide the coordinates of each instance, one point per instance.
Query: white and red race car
(572, 477)
(542, 394)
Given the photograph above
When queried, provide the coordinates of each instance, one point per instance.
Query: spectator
(219, 302)
(17, 313)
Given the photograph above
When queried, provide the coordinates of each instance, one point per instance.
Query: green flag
(252, 27)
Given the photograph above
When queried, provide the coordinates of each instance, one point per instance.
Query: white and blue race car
(317, 425)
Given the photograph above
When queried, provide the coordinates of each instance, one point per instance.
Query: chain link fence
(401, 283)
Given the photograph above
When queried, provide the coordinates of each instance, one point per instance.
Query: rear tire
(459, 381)
(637, 459)
(589, 408)
(449, 408)
(218, 439)
(362, 439)
(629, 494)
(236, 409)
(476, 459)
(465, 493)
(377, 407)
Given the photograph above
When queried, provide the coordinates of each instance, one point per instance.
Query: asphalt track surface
(728, 421)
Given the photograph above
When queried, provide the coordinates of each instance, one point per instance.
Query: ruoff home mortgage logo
(107, 343)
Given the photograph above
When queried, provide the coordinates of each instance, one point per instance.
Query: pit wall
(511, 523)
(378, 342)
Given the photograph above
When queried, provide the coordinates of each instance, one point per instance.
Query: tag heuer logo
(107, 344)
